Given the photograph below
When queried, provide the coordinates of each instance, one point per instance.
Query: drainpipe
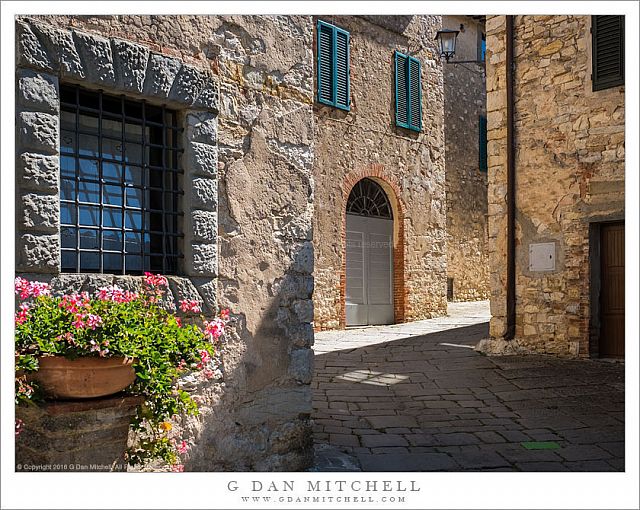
(511, 190)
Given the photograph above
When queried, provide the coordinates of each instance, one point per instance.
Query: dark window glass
(482, 143)
(120, 185)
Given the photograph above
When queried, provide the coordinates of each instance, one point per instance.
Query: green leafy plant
(116, 322)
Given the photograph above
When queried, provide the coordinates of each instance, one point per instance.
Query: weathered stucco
(464, 103)
(364, 142)
(243, 89)
(570, 175)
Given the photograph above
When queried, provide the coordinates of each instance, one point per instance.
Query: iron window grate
(120, 185)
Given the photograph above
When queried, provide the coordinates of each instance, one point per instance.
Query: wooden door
(612, 290)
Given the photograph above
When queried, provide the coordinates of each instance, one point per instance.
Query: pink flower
(155, 280)
(23, 315)
(93, 321)
(182, 365)
(224, 314)
(177, 468)
(78, 324)
(116, 294)
(215, 328)
(19, 426)
(27, 289)
(179, 322)
(182, 447)
(205, 359)
(208, 373)
(190, 305)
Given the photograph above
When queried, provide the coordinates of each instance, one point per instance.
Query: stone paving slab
(414, 397)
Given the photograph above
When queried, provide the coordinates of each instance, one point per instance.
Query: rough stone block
(39, 172)
(303, 258)
(130, 60)
(97, 58)
(302, 335)
(204, 225)
(38, 131)
(203, 158)
(275, 404)
(38, 253)
(207, 287)
(67, 283)
(161, 73)
(64, 49)
(31, 52)
(38, 91)
(187, 85)
(204, 194)
(182, 288)
(209, 96)
(205, 259)
(202, 127)
(40, 212)
(301, 367)
(304, 310)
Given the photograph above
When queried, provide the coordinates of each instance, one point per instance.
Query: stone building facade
(569, 187)
(466, 170)
(364, 143)
(240, 92)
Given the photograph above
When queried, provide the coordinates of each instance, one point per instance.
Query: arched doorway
(369, 256)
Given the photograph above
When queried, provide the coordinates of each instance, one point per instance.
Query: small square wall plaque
(542, 257)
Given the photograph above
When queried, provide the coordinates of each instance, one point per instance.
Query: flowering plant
(117, 322)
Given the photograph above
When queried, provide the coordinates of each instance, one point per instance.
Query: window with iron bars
(120, 185)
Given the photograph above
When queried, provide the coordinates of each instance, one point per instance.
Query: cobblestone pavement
(417, 397)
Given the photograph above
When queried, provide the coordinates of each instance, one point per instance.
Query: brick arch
(391, 187)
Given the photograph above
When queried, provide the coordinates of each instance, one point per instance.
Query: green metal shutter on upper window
(408, 92)
(333, 65)
(482, 143)
(607, 38)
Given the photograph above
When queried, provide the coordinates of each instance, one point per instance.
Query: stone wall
(243, 89)
(364, 142)
(464, 103)
(569, 165)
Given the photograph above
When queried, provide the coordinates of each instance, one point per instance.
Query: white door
(369, 256)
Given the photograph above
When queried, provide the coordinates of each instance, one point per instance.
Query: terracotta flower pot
(60, 377)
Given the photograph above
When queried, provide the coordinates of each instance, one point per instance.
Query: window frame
(334, 66)
(408, 125)
(171, 234)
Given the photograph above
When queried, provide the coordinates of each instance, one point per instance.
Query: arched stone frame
(48, 56)
(390, 186)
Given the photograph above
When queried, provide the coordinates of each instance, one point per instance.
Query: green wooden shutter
(482, 143)
(408, 92)
(415, 89)
(607, 59)
(325, 63)
(402, 112)
(333, 66)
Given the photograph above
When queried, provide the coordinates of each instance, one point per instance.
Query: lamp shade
(447, 42)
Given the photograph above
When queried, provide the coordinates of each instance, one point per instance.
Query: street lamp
(447, 42)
